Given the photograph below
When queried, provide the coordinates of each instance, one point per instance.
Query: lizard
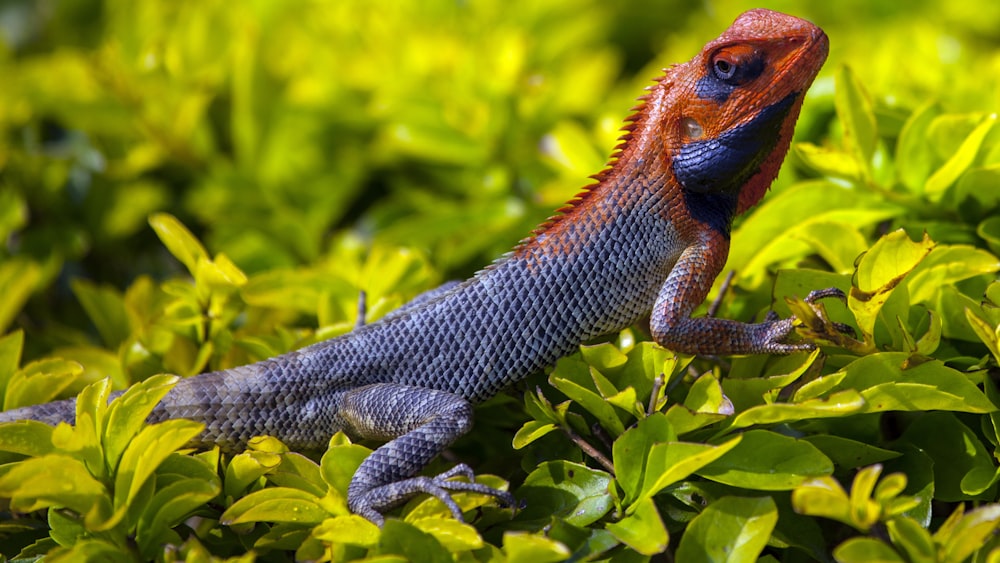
(647, 239)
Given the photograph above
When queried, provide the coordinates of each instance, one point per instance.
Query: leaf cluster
(190, 187)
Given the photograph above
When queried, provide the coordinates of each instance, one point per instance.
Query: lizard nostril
(692, 128)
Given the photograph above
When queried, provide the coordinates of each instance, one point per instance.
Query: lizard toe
(830, 292)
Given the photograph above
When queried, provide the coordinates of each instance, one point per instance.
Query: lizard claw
(778, 329)
(815, 321)
(817, 294)
(370, 503)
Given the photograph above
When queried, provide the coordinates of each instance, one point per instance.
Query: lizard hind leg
(420, 423)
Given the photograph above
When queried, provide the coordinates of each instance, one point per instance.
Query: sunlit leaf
(768, 461)
(729, 529)
(642, 530)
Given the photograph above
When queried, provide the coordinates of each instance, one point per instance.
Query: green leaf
(948, 265)
(276, 504)
(705, 395)
(646, 361)
(768, 461)
(348, 528)
(91, 549)
(854, 108)
(912, 539)
(40, 381)
(866, 550)
(839, 244)
(146, 452)
(630, 452)
(944, 177)
(962, 534)
(887, 382)
(848, 454)
(684, 421)
(918, 468)
(748, 392)
(246, 468)
(26, 437)
(10, 358)
(66, 528)
(823, 496)
(729, 529)
(879, 272)
(341, 462)
(914, 156)
(670, 462)
(828, 161)
(606, 357)
(863, 510)
(593, 402)
(836, 404)
(766, 237)
(531, 431)
(455, 536)
(298, 471)
(642, 530)
(985, 331)
(989, 228)
(522, 547)
(178, 240)
(106, 308)
(429, 507)
(171, 505)
(571, 491)
(957, 452)
(18, 279)
(404, 539)
(55, 480)
(127, 414)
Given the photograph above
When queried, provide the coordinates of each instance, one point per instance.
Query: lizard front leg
(686, 287)
(419, 423)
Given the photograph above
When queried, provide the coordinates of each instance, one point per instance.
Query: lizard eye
(737, 65)
(724, 70)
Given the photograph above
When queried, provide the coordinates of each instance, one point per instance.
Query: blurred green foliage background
(187, 186)
(452, 127)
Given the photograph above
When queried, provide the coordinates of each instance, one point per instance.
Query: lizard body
(648, 238)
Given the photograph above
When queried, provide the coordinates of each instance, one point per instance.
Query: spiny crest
(632, 122)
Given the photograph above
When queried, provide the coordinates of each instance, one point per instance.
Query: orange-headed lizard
(648, 238)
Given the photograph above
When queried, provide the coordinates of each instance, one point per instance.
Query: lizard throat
(713, 172)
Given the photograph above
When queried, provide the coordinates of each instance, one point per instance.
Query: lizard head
(720, 124)
(726, 117)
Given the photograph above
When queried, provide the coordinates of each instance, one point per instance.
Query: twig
(713, 308)
(590, 450)
(658, 382)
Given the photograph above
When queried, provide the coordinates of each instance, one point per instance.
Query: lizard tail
(49, 413)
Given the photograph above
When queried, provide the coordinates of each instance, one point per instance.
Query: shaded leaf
(571, 491)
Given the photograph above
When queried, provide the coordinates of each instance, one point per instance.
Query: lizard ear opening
(692, 129)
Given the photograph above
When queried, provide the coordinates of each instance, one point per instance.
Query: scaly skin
(648, 238)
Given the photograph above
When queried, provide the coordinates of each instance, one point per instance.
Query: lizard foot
(811, 319)
(817, 294)
(775, 330)
(370, 503)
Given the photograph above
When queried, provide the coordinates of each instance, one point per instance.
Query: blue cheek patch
(725, 163)
(713, 171)
(710, 88)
